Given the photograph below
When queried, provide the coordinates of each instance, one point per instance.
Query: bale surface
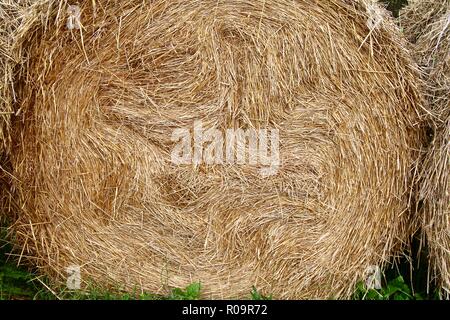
(427, 25)
(91, 144)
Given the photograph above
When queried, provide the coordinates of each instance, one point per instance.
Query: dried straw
(96, 106)
(427, 25)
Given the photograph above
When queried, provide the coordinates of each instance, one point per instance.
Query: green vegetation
(192, 292)
(395, 289)
(16, 283)
(258, 296)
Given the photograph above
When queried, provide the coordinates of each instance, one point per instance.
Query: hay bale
(427, 25)
(100, 95)
(7, 62)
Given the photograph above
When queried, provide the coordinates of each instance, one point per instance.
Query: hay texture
(427, 25)
(97, 101)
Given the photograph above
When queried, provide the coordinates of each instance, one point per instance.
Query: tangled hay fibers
(427, 25)
(91, 143)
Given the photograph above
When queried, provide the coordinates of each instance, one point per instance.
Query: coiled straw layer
(98, 97)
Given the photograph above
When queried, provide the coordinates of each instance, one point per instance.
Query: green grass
(396, 289)
(256, 295)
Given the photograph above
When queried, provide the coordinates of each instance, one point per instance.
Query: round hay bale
(427, 25)
(102, 88)
(7, 62)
